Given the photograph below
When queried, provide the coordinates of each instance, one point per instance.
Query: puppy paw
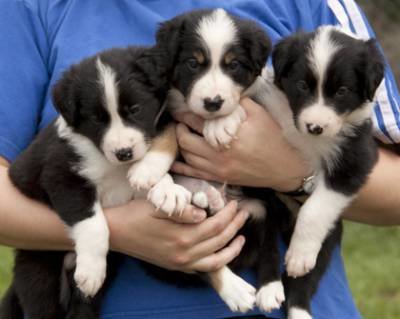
(300, 260)
(89, 274)
(215, 198)
(221, 131)
(297, 313)
(238, 294)
(170, 198)
(270, 296)
(144, 176)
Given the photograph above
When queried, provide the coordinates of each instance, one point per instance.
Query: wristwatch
(306, 188)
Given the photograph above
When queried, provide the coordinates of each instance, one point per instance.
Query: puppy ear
(283, 57)
(258, 45)
(151, 69)
(375, 69)
(168, 34)
(64, 98)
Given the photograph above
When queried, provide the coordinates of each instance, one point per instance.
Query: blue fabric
(40, 39)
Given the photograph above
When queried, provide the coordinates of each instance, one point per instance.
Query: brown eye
(302, 86)
(133, 109)
(192, 63)
(234, 65)
(341, 92)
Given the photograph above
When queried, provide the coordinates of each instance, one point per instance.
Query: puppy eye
(233, 65)
(342, 91)
(133, 109)
(302, 86)
(192, 63)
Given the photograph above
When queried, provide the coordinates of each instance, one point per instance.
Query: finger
(214, 244)
(218, 260)
(193, 121)
(215, 225)
(193, 143)
(190, 215)
(187, 170)
(198, 162)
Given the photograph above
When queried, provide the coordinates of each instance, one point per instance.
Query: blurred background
(372, 254)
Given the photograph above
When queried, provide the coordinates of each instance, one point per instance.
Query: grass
(372, 258)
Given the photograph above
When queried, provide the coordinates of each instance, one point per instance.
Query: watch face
(309, 184)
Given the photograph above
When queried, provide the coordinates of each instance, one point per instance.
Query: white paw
(215, 199)
(200, 200)
(221, 131)
(300, 259)
(297, 313)
(270, 296)
(170, 198)
(238, 294)
(89, 274)
(144, 175)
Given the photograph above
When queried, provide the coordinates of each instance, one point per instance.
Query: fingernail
(241, 241)
(199, 215)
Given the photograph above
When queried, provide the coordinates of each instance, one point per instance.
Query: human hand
(189, 243)
(259, 157)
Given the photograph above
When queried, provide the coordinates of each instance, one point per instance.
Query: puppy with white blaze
(111, 141)
(322, 94)
(216, 58)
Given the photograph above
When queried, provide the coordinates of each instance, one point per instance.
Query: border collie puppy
(216, 58)
(322, 96)
(110, 140)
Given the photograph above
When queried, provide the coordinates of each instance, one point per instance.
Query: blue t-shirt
(39, 39)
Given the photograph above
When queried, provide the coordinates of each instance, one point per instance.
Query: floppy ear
(64, 98)
(152, 69)
(167, 36)
(283, 57)
(375, 69)
(257, 43)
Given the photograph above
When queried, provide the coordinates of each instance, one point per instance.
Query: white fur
(118, 135)
(220, 131)
(200, 200)
(91, 246)
(110, 180)
(171, 198)
(315, 220)
(297, 313)
(217, 31)
(255, 208)
(234, 291)
(149, 171)
(270, 296)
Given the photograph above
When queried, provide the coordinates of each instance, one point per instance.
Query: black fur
(46, 171)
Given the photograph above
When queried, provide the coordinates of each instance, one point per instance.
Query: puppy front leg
(221, 131)
(157, 161)
(316, 218)
(234, 291)
(91, 237)
(80, 209)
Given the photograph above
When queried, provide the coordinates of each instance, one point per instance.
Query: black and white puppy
(110, 140)
(321, 94)
(215, 58)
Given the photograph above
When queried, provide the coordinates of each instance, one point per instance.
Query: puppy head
(329, 77)
(214, 58)
(112, 101)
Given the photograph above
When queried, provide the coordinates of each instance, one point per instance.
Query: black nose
(314, 129)
(213, 105)
(124, 154)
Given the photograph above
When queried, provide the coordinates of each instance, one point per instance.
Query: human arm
(136, 229)
(262, 157)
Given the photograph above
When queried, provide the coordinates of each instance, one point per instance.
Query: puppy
(321, 94)
(111, 140)
(216, 58)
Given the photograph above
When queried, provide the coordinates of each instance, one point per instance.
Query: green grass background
(372, 257)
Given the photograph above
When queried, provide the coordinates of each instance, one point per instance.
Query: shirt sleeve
(23, 75)
(347, 13)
